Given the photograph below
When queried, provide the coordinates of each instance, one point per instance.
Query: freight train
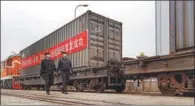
(94, 45)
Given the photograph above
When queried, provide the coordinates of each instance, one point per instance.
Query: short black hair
(63, 52)
(46, 53)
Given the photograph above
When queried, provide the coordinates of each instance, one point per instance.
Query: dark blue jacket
(47, 66)
(65, 65)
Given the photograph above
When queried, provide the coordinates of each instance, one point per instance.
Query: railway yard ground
(32, 97)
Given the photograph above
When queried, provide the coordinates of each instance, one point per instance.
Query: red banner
(72, 45)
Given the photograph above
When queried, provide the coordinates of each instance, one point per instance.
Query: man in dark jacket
(65, 69)
(47, 71)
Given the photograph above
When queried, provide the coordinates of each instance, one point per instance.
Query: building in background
(162, 27)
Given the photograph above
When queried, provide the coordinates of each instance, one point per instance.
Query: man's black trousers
(65, 79)
(49, 79)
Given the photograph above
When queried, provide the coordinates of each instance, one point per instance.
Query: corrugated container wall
(104, 42)
(181, 26)
(162, 27)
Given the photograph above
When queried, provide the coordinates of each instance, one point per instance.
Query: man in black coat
(65, 69)
(47, 71)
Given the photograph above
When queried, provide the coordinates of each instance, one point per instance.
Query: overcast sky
(24, 22)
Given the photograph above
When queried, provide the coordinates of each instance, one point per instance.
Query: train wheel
(24, 87)
(6, 84)
(29, 87)
(120, 89)
(78, 87)
(164, 85)
(38, 88)
(9, 84)
(100, 86)
(43, 87)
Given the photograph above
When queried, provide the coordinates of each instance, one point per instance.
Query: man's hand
(71, 72)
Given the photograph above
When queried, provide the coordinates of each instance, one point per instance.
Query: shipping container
(174, 26)
(90, 39)
(162, 27)
(181, 25)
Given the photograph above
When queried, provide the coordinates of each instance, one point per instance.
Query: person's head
(64, 54)
(47, 55)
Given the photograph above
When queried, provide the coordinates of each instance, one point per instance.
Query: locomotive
(10, 70)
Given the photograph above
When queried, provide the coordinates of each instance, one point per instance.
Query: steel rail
(45, 99)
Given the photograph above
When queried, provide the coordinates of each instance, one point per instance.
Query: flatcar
(175, 71)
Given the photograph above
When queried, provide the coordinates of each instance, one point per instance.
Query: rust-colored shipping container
(102, 41)
(181, 25)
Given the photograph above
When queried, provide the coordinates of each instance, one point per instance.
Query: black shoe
(47, 93)
(64, 92)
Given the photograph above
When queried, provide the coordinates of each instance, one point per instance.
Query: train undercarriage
(100, 84)
(10, 83)
(6, 84)
(175, 73)
(178, 83)
(95, 78)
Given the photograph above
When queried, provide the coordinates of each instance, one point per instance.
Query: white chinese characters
(76, 43)
(80, 41)
(66, 47)
(71, 45)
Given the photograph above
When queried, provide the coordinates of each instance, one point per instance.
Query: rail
(45, 99)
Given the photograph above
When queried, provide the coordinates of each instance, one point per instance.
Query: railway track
(129, 93)
(57, 99)
(55, 96)
(140, 93)
(45, 99)
(95, 98)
